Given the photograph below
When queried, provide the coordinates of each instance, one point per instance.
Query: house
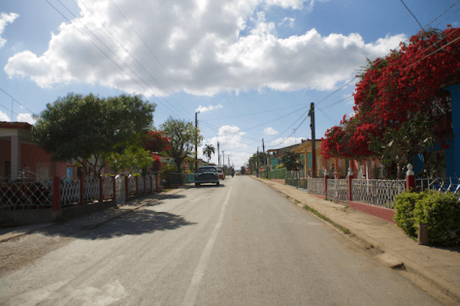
(274, 156)
(453, 152)
(335, 166)
(20, 156)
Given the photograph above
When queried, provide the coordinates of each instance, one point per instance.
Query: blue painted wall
(453, 153)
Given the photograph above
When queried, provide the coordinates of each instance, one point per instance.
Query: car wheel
(197, 185)
(217, 184)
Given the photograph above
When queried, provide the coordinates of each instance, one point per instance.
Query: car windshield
(202, 170)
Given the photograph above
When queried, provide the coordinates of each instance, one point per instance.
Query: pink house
(18, 154)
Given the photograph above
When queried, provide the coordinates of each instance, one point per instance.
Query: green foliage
(277, 174)
(134, 158)
(289, 160)
(182, 136)
(398, 145)
(404, 211)
(167, 169)
(441, 212)
(78, 127)
(208, 151)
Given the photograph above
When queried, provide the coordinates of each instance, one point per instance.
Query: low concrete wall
(381, 212)
(36, 216)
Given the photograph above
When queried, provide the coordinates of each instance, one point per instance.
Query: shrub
(441, 212)
(404, 211)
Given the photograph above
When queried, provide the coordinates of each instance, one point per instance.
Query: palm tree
(208, 151)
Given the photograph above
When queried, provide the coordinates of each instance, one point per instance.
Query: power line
(256, 113)
(148, 48)
(127, 51)
(412, 14)
(442, 13)
(17, 102)
(105, 54)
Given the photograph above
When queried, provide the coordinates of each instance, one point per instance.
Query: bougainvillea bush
(156, 142)
(393, 90)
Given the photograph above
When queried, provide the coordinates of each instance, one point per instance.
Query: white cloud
(4, 117)
(4, 19)
(203, 109)
(270, 131)
(229, 137)
(286, 141)
(24, 117)
(196, 46)
(288, 21)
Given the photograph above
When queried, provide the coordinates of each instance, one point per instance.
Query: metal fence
(35, 195)
(181, 178)
(377, 192)
(277, 173)
(316, 186)
(337, 190)
(296, 179)
(25, 195)
(438, 184)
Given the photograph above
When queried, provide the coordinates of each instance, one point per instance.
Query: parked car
(206, 175)
(221, 173)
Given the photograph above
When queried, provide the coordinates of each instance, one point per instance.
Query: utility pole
(196, 142)
(218, 154)
(223, 158)
(263, 151)
(311, 114)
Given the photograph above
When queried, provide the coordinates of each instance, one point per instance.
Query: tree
(182, 137)
(289, 161)
(253, 163)
(134, 157)
(78, 127)
(394, 90)
(156, 142)
(208, 151)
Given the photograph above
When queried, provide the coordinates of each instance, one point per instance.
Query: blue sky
(251, 67)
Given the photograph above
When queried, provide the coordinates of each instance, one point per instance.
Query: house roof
(306, 146)
(15, 125)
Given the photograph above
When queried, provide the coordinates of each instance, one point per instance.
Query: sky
(250, 68)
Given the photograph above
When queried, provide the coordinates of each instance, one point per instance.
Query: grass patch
(345, 230)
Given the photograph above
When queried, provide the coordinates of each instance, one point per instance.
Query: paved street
(237, 244)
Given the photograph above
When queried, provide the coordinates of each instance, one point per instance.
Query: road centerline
(192, 291)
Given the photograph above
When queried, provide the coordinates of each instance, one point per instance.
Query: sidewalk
(438, 267)
(94, 220)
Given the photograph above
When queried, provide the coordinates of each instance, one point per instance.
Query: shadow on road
(104, 226)
(139, 222)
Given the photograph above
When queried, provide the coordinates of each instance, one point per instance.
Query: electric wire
(129, 53)
(33, 113)
(450, 7)
(105, 54)
(148, 48)
(412, 14)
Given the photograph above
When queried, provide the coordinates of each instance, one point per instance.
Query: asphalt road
(237, 244)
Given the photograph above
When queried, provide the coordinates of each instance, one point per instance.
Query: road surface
(237, 244)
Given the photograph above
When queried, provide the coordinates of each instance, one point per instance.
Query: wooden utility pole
(196, 142)
(218, 154)
(311, 114)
